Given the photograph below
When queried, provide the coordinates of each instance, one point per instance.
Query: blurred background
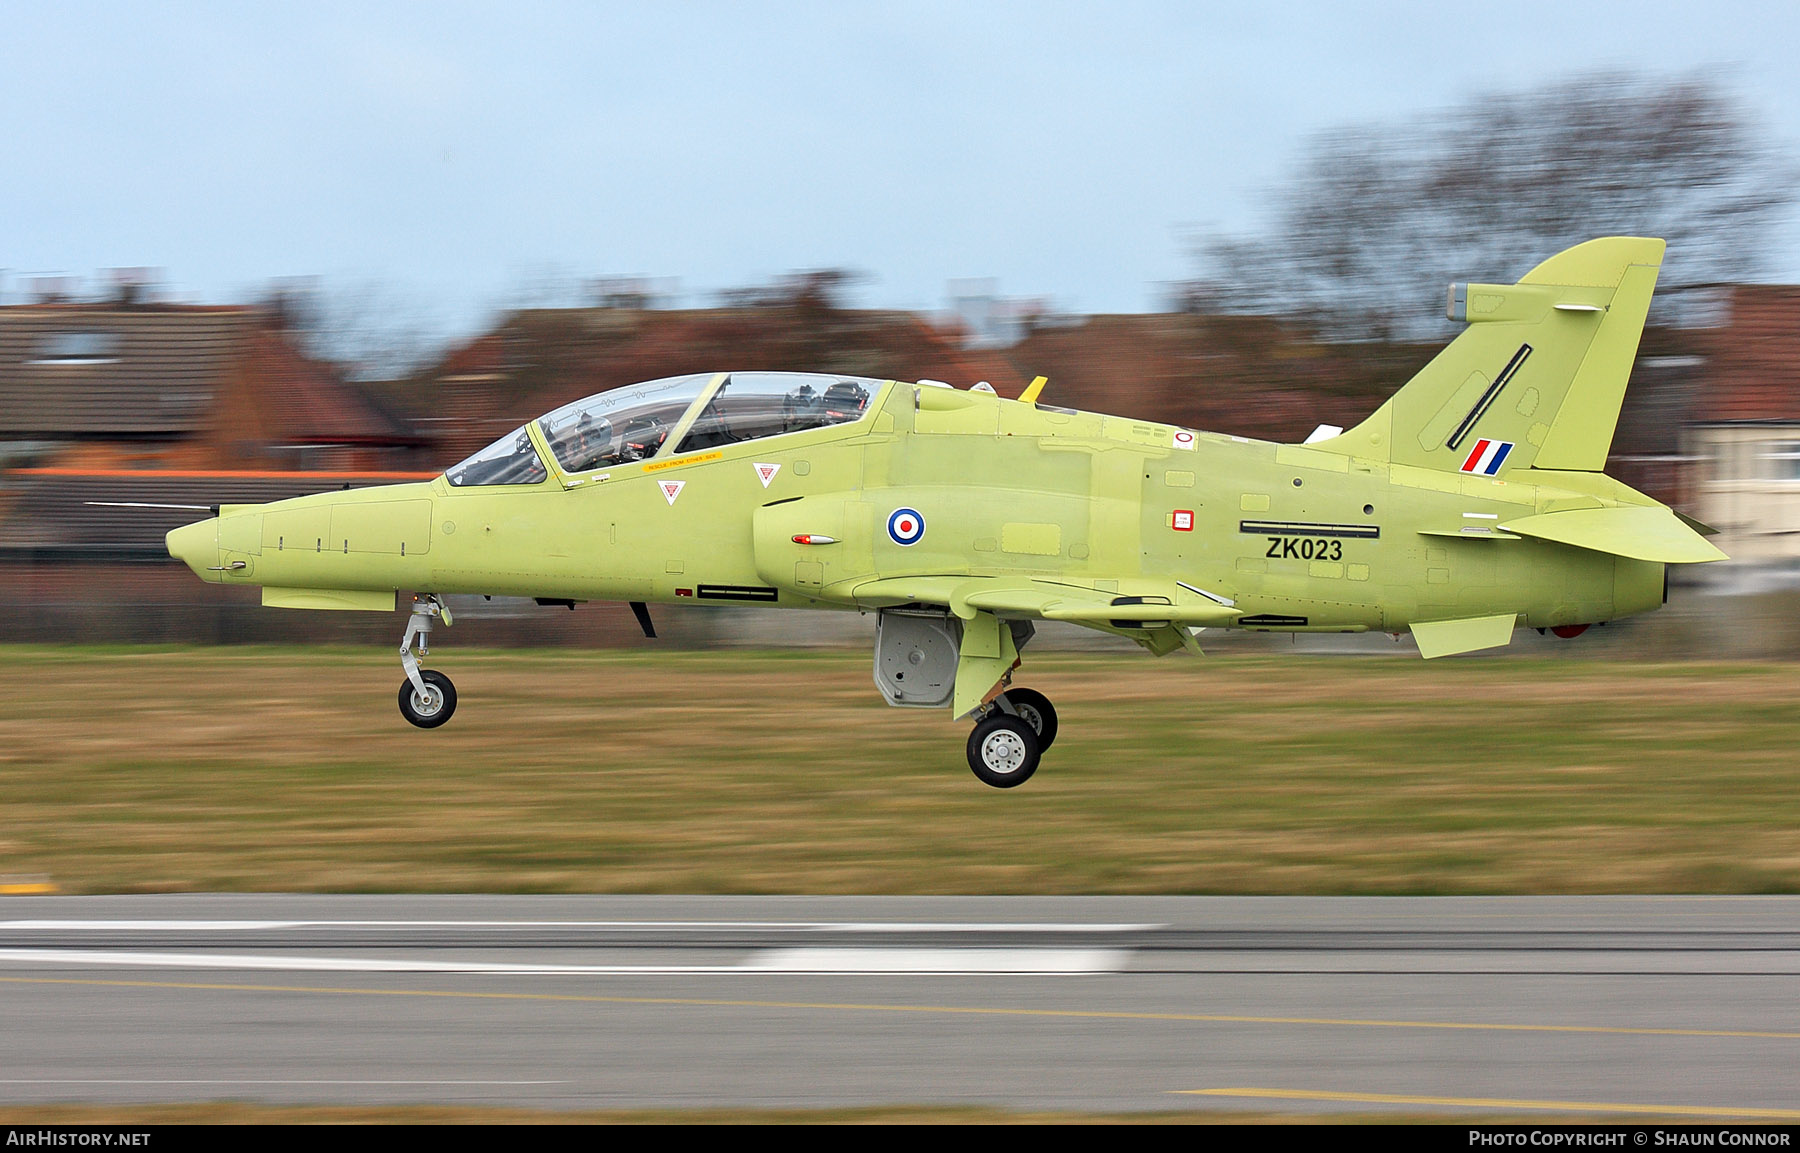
(248, 254)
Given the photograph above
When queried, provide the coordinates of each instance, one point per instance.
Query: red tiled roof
(160, 373)
(301, 402)
(167, 370)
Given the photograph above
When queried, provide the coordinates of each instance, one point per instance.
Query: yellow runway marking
(1499, 1103)
(960, 1010)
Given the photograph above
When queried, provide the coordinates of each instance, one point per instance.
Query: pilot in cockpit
(799, 409)
(578, 446)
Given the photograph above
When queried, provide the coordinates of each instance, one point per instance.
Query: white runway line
(765, 961)
(944, 961)
(150, 926)
(301, 964)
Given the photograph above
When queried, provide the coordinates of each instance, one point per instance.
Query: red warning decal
(1182, 520)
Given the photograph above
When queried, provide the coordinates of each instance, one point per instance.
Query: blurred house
(1246, 375)
(124, 386)
(1744, 433)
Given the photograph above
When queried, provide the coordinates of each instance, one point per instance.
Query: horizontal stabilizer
(1698, 526)
(1652, 533)
(1447, 638)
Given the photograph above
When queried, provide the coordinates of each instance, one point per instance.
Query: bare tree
(1377, 218)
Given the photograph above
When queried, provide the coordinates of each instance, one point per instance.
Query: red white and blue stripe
(1487, 456)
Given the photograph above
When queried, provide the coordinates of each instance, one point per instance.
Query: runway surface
(1678, 1008)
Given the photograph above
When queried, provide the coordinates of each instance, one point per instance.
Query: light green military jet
(1470, 503)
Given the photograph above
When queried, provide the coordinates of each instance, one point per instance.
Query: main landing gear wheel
(1035, 709)
(431, 708)
(1004, 750)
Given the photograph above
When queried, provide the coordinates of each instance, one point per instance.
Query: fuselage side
(1298, 538)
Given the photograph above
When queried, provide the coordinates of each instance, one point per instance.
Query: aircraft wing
(1051, 601)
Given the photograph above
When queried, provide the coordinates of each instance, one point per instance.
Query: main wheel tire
(1037, 711)
(432, 709)
(1003, 751)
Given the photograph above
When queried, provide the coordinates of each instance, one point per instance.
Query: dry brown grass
(289, 769)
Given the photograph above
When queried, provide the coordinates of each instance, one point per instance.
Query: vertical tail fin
(1536, 378)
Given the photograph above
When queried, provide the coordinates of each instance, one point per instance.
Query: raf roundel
(905, 526)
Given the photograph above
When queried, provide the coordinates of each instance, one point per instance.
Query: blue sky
(457, 154)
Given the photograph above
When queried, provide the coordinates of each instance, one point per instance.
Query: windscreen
(509, 460)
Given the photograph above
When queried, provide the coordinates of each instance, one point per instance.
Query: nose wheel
(427, 698)
(1010, 737)
(432, 707)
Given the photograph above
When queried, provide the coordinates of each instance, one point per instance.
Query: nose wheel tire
(1034, 709)
(431, 708)
(1003, 751)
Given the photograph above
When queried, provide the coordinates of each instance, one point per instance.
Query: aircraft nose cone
(197, 546)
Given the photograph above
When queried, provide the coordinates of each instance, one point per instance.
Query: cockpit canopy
(638, 421)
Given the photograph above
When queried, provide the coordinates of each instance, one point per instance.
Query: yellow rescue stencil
(658, 465)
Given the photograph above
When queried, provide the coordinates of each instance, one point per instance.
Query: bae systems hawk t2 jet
(1471, 503)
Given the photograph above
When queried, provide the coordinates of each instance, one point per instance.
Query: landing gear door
(916, 657)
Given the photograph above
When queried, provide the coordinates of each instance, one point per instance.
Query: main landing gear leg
(427, 698)
(1035, 709)
(1011, 733)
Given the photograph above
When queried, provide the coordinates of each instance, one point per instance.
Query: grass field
(145, 770)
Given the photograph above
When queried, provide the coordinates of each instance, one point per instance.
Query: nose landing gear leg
(427, 698)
